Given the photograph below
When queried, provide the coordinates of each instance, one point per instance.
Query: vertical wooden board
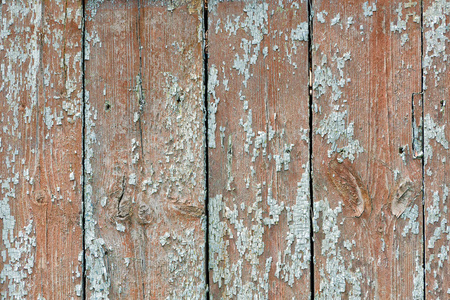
(258, 128)
(40, 150)
(367, 186)
(145, 150)
(436, 33)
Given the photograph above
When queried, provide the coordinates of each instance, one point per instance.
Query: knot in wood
(39, 196)
(146, 214)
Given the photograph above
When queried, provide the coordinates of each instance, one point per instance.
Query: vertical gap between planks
(139, 83)
(83, 155)
(311, 214)
(422, 122)
(205, 95)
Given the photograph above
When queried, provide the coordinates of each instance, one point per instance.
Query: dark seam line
(139, 83)
(423, 149)
(141, 101)
(311, 192)
(83, 156)
(205, 91)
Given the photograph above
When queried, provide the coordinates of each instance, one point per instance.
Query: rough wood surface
(367, 186)
(40, 150)
(258, 127)
(379, 139)
(436, 20)
(145, 150)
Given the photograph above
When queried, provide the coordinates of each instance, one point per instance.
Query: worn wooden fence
(224, 150)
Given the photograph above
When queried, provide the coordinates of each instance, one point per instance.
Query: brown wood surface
(145, 189)
(40, 150)
(436, 135)
(379, 138)
(367, 186)
(258, 130)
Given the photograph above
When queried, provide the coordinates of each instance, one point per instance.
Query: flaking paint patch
(433, 132)
(289, 266)
(92, 6)
(255, 24)
(98, 278)
(174, 182)
(242, 227)
(19, 70)
(213, 81)
(294, 263)
(437, 216)
(435, 34)
(418, 291)
(368, 10)
(183, 258)
(435, 63)
(20, 250)
(403, 16)
(325, 78)
(411, 214)
(321, 16)
(434, 212)
(212, 106)
(336, 277)
(335, 128)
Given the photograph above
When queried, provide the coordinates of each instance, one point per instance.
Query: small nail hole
(400, 150)
(107, 106)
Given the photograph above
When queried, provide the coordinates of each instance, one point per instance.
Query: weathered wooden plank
(436, 19)
(40, 149)
(145, 150)
(367, 186)
(258, 127)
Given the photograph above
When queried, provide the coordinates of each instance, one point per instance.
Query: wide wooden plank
(40, 150)
(145, 150)
(436, 20)
(367, 184)
(258, 132)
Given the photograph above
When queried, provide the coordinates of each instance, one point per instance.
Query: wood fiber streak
(436, 20)
(145, 189)
(367, 186)
(258, 127)
(40, 149)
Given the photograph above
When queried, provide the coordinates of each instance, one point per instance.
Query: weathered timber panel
(367, 186)
(258, 130)
(436, 82)
(40, 150)
(145, 150)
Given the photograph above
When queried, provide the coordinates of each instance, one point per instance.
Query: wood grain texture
(40, 149)
(145, 150)
(436, 33)
(367, 186)
(258, 126)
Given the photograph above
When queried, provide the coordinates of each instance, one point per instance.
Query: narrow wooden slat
(367, 186)
(258, 127)
(145, 155)
(40, 150)
(436, 19)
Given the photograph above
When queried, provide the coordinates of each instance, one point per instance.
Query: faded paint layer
(436, 20)
(367, 186)
(40, 149)
(145, 144)
(259, 228)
